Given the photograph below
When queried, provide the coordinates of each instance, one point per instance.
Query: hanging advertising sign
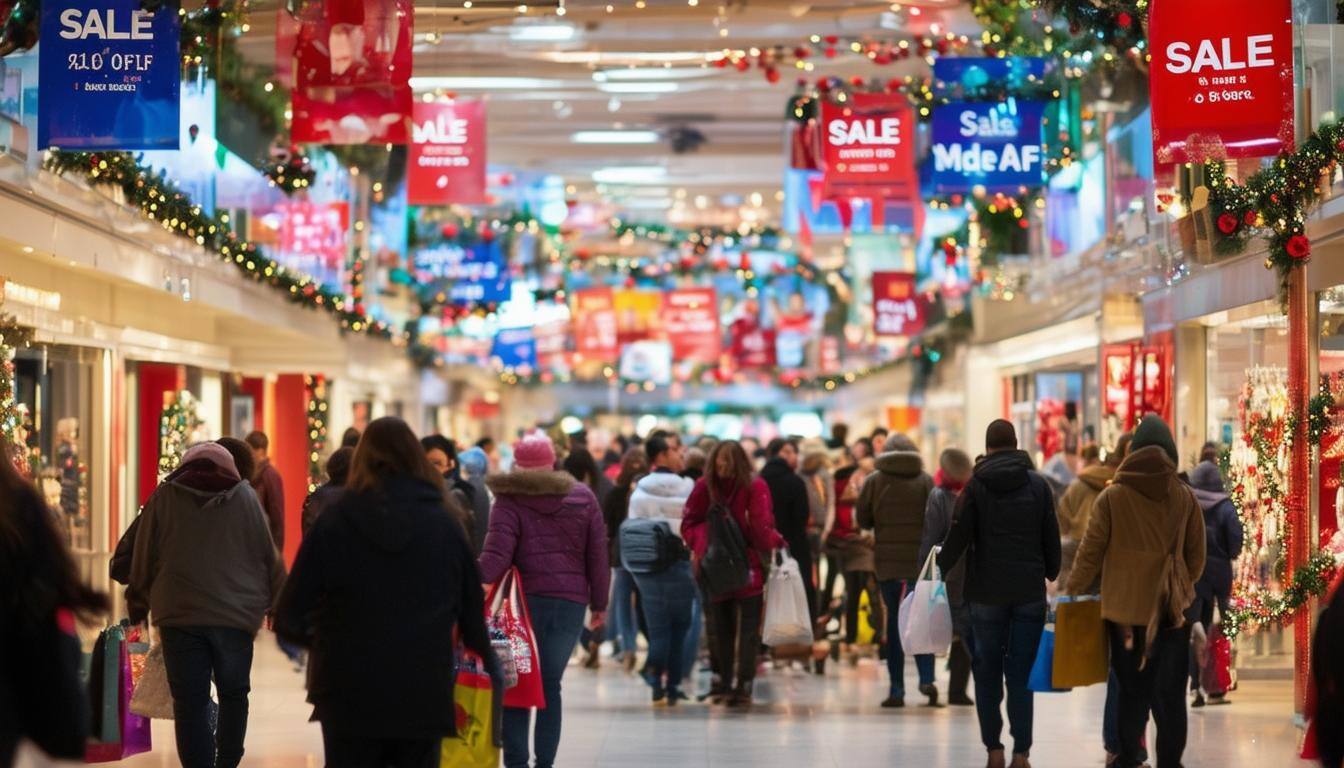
(553, 345)
(636, 315)
(473, 275)
(647, 360)
(108, 76)
(515, 349)
(691, 322)
(897, 308)
(1221, 78)
(995, 146)
(868, 145)
(595, 336)
(310, 238)
(975, 72)
(752, 345)
(447, 156)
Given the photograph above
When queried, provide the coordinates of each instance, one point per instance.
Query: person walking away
(269, 486)
(207, 569)
(669, 595)
(548, 526)
(442, 455)
(1110, 728)
(892, 505)
(820, 483)
(1325, 691)
(1008, 531)
(736, 616)
(1075, 506)
(954, 471)
(583, 467)
(621, 607)
(695, 463)
(326, 494)
(1146, 540)
(1223, 536)
(791, 508)
(475, 466)
(42, 699)
(381, 679)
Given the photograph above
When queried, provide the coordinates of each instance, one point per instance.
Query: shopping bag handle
(931, 565)
(500, 589)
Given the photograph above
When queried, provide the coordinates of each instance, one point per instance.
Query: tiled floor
(802, 721)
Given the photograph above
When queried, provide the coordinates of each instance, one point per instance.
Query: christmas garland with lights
(291, 173)
(1093, 32)
(1251, 610)
(161, 201)
(11, 418)
(316, 390)
(177, 422)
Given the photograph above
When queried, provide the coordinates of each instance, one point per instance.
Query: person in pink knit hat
(549, 526)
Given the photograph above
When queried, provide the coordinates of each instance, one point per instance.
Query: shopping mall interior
(670, 228)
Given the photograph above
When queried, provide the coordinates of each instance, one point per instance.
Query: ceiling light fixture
(630, 174)
(615, 137)
(542, 33)
(429, 83)
(644, 87)
(667, 72)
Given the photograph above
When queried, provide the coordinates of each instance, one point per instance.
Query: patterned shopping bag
(507, 617)
(476, 699)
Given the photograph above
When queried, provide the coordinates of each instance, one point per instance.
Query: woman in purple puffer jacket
(549, 525)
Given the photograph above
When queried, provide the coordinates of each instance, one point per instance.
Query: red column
(289, 452)
(155, 380)
(1299, 469)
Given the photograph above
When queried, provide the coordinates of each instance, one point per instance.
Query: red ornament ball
(1227, 223)
(772, 75)
(856, 81)
(830, 51)
(721, 62)
(1249, 218)
(802, 52)
(831, 39)
(449, 230)
(1124, 20)
(1023, 223)
(742, 64)
(1298, 247)
(487, 234)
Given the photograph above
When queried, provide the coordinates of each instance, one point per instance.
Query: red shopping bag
(507, 617)
(1216, 676)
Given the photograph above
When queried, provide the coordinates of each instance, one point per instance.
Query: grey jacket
(939, 517)
(204, 559)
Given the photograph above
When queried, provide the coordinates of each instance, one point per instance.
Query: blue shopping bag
(1042, 671)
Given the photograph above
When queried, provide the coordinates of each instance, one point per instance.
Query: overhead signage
(868, 145)
(515, 349)
(974, 72)
(595, 331)
(691, 322)
(447, 156)
(647, 360)
(108, 76)
(753, 346)
(1221, 79)
(897, 308)
(995, 146)
(476, 274)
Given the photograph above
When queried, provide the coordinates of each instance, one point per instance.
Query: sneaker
(996, 759)
(894, 702)
(630, 662)
(660, 697)
(932, 692)
(1199, 700)
(675, 696)
(960, 700)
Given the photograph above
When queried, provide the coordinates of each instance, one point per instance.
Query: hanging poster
(310, 238)
(1221, 78)
(897, 308)
(475, 274)
(753, 345)
(595, 336)
(515, 349)
(447, 155)
(995, 146)
(553, 345)
(108, 76)
(636, 315)
(647, 360)
(691, 322)
(969, 73)
(868, 145)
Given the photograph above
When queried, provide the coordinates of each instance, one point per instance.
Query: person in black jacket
(326, 494)
(1223, 540)
(1007, 528)
(788, 496)
(379, 585)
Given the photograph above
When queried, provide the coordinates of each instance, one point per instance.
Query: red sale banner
(595, 339)
(1221, 78)
(447, 155)
(691, 322)
(868, 146)
(897, 308)
(753, 346)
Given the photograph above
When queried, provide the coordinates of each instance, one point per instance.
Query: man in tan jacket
(1146, 540)
(1075, 506)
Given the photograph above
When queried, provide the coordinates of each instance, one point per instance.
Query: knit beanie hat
(1154, 431)
(474, 461)
(1206, 477)
(215, 454)
(534, 452)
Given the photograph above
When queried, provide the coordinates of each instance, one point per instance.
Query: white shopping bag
(787, 619)
(925, 618)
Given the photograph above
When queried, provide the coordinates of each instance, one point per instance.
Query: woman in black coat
(381, 582)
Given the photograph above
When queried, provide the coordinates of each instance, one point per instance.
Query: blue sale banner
(515, 348)
(108, 76)
(991, 145)
(473, 274)
(975, 72)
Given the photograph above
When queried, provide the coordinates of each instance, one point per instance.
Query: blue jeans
(624, 628)
(192, 656)
(669, 605)
(1006, 639)
(556, 624)
(691, 651)
(893, 591)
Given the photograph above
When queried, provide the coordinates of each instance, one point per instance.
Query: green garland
(1311, 579)
(11, 418)
(161, 201)
(318, 404)
(176, 423)
(1092, 31)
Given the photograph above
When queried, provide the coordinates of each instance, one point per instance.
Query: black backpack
(725, 567)
(649, 546)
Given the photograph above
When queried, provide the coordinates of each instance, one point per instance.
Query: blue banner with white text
(994, 146)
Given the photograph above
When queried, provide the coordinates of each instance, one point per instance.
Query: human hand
(598, 618)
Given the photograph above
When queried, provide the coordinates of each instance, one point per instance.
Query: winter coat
(1223, 541)
(661, 496)
(1074, 510)
(1134, 526)
(892, 504)
(788, 499)
(548, 525)
(270, 490)
(616, 510)
(939, 517)
(1007, 529)
(203, 554)
(751, 508)
(480, 512)
(820, 496)
(317, 502)
(380, 584)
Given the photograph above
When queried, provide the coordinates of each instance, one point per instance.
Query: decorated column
(1299, 534)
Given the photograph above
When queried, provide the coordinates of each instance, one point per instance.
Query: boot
(996, 759)
(1021, 761)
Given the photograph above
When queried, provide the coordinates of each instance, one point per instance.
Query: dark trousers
(353, 751)
(1159, 686)
(827, 594)
(193, 656)
(556, 624)
(856, 583)
(1202, 611)
(1005, 642)
(893, 592)
(959, 657)
(737, 632)
(669, 606)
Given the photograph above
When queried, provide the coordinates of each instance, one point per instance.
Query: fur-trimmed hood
(530, 483)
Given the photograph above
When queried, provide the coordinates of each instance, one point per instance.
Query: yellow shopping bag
(478, 705)
(1081, 645)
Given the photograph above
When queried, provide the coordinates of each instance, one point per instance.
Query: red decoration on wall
(447, 155)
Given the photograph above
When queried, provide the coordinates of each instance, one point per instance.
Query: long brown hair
(739, 480)
(634, 464)
(388, 448)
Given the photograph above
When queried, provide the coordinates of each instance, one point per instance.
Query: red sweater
(754, 513)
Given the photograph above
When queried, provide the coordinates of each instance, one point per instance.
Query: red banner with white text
(691, 322)
(868, 148)
(595, 338)
(1221, 79)
(898, 310)
(447, 155)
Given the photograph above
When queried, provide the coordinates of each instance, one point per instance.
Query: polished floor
(801, 721)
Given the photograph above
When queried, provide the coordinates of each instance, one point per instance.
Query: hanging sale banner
(995, 146)
(108, 76)
(636, 315)
(752, 345)
(1221, 79)
(868, 145)
(515, 349)
(595, 336)
(691, 322)
(473, 275)
(897, 308)
(975, 72)
(447, 155)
